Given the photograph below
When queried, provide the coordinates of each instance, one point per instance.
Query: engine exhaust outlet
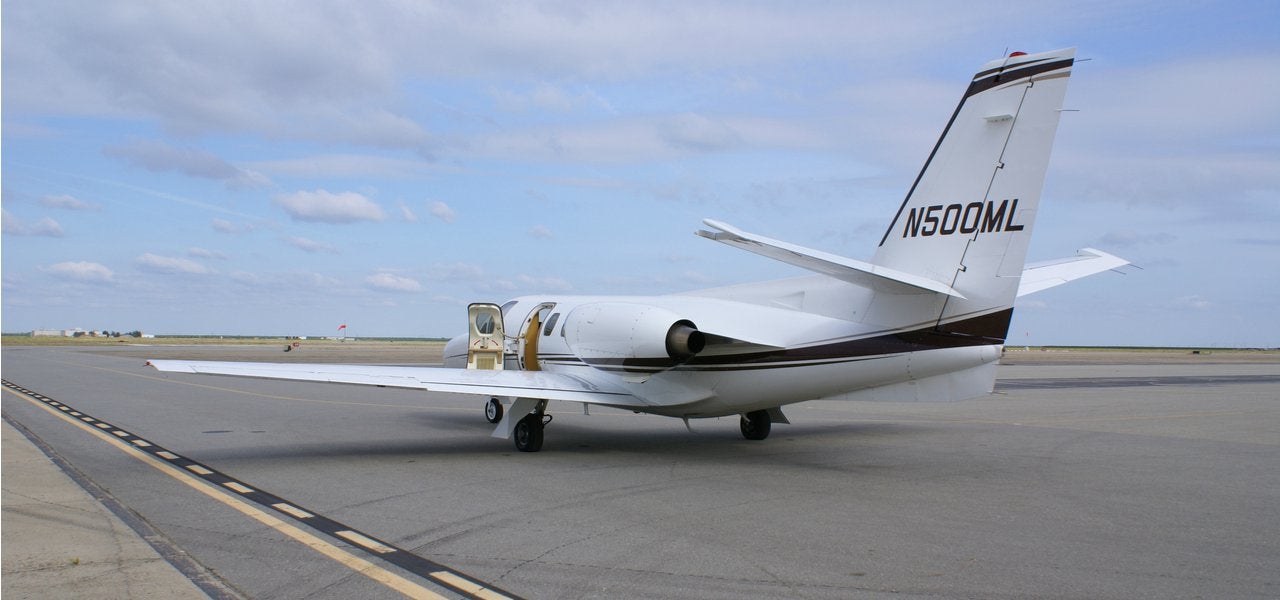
(684, 341)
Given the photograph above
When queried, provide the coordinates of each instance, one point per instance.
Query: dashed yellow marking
(293, 510)
(356, 538)
(199, 470)
(356, 564)
(102, 425)
(142, 443)
(469, 587)
(239, 487)
(64, 408)
(165, 454)
(121, 433)
(77, 414)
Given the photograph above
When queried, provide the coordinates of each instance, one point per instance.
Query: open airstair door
(486, 343)
(527, 354)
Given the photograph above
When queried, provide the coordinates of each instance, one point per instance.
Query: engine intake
(631, 337)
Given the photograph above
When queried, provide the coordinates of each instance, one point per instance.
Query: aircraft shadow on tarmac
(466, 435)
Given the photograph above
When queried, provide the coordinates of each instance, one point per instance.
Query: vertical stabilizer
(967, 219)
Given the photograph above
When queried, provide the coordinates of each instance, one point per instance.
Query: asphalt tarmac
(1109, 476)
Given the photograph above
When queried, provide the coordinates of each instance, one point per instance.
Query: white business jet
(924, 319)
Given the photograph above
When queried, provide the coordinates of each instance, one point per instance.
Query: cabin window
(551, 324)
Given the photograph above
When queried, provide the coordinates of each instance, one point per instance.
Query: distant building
(77, 332)
(52, 333)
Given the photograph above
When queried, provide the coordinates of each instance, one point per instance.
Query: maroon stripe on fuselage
(981, 330)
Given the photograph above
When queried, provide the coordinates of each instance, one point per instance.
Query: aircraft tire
(528, 433)
(755, 425)
(493, 410)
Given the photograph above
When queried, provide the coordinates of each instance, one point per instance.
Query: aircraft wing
(1044, 275)
(525, 384)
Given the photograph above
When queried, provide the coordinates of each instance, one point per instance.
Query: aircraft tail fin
(967, 220)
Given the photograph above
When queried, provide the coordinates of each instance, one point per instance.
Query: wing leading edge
(525, 384)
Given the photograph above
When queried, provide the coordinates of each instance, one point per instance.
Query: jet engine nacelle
(631, 337)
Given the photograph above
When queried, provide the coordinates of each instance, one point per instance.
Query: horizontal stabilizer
(845, 269)
(1051, 273)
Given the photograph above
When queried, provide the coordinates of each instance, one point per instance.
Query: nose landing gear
(493, 410)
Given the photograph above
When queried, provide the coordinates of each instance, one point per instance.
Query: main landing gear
(756, 424)
(527, 432)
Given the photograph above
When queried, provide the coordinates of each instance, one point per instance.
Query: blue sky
(287, 167)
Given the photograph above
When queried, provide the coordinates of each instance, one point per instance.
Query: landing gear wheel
(528, 433)
(755, 425)
(493, 410)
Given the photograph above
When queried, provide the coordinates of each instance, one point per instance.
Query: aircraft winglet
(845, 269)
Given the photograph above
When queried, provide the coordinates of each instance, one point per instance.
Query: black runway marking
(346, 536)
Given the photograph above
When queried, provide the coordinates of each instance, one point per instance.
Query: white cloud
(761, 110)
(1164, 134)
(67, 202)
(697, 278)
(548, 97)
(326, 207)
(348, 165)
(157, 156)
(1194, 302)
(170, 265)
(541, 232)
(392, 283)
(458, 272)
(1140, 102)
(310, 245)
(45, 227)
(288, 282)
(1132, 238)
(642, 138)
(442, 211)
(494, 286)
(225, 226)
(206, 253)
(407, 214)
(698, 133)
(545, 284)
(450, 300)
(227, 67)
(201, 68)
(85, 271)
